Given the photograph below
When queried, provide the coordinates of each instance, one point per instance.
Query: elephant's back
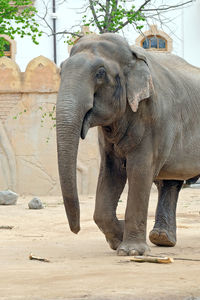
(173, 62)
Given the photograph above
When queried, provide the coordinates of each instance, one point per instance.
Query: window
(155, 40)
(9, 46)
(7, 49)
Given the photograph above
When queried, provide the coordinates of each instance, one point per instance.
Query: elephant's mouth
(86, 124)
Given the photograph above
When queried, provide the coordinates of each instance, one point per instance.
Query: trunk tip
(73, 213)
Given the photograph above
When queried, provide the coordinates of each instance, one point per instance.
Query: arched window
(7, 49)
(155, 40)
(9, 46)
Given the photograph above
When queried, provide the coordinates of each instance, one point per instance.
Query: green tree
(17, 17)
(115, 15)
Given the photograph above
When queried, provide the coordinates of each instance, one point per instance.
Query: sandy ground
(83, 266)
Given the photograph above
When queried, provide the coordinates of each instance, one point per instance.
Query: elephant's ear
(139, 81)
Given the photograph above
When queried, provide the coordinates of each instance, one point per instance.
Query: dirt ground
(83, 266)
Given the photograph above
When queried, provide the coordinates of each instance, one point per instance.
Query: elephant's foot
(132, 249)
(162, 237)
(114, 239)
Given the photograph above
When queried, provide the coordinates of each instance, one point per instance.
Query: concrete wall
(28, 163)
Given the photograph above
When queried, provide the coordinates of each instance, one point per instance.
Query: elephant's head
(101, 77)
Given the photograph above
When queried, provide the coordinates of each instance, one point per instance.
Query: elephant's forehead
(101, 48)
(84, 59)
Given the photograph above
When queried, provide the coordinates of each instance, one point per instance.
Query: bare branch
(143, 5)
(70, 32)
(165, 7)
(156, 10)
(105, 18)
(101, 6)
(95, 16)
(112, 12)
(43, 18)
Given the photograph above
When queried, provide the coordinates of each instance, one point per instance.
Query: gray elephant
(147, 109)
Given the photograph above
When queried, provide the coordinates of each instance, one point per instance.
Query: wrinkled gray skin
(147, 107)
(164, 230)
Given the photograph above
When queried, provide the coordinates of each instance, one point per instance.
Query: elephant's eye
(100, 74)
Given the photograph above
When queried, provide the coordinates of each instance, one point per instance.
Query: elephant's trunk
(70, 112)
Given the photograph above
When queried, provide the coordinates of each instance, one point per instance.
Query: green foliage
(110, 16)
(113, 15)
(70, 38)
(19, 114)
(51, 115)
(17, 17)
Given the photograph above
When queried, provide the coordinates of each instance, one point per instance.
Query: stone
(8, 197)
(35, 203)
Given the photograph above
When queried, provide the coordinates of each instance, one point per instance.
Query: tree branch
(95, 16)
(164, 8)
(107, 13)
(156, 10)
(111, 13)
(121, 26)
(144, 4)
(44, 17)
(101, 6)
(127, 21)
(69, 32)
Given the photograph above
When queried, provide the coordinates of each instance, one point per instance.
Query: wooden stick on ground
(6, 227)
(152, 259)
(32, 257)
(180, 258)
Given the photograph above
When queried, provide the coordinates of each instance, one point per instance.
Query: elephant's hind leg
(164, 230)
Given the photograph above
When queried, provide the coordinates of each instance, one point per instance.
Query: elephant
(146, 106)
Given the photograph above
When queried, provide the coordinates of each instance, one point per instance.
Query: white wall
(67, 17)
(183, 26)
(191, 32)
(27, 50)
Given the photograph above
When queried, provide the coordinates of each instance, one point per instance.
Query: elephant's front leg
(164, 230)
(111, 182)
(140, 178)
